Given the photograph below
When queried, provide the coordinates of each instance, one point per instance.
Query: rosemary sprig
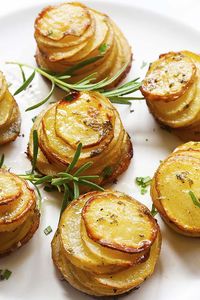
(116, 95)
(195, 200)
(2, 160)
(153, 211)
(68, 181)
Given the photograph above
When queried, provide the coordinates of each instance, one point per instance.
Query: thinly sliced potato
(6, 109)
(15, 212)
(117, 221)
(75, 249)
(3, 86)
(63, 266)
(12, 240)
(10, 188)
(120, 282)
(169, 77)
(79, 121)
(111, 256)
(173, 181)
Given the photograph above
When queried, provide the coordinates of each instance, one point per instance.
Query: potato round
(19, 217)
(69, 33)
(174, 181)
(9, 114)
(88, 118)
(172, 90)
(117, 221)
(96, 269)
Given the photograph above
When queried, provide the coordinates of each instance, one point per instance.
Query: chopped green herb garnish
(34, 118)
(143, 182)
(5, 274)
(2, 160)
(195, 200)
(153, 210)
(107, 171)
(48, 230)
(102, 49)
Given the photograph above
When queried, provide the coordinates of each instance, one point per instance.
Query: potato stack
(106, 243)
(69, 33)
(19, 217)
(175, 189)
(88, 118)
(9, 114)
(172, 90)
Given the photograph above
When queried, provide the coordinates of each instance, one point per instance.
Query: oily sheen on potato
(102, 269)
(70, 33)
(9, 114)
(88, 118)
(175, 189)
(172, 90)
(19, 217)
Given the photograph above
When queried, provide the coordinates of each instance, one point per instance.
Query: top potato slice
(3, 86)
(119, 222)
(15, 212)
(10, 188)
(71, 241)
(188, 146)
(169, 77)
(175, 178)
(86, 119)
(66, 19)
(6, 109)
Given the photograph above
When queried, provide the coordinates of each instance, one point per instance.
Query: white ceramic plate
(34, 277)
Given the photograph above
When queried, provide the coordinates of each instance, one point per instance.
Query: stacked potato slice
(172, 90)
(91, 119)
(70, 33)
(175, 189)
(106, 244)
(9, 114)
(19, 217)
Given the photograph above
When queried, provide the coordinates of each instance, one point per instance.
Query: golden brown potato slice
(12, 240)
(15, 212)
(78, 121)
(10, 188)
(111, 256)
(63, 266)
(169, 77)
(117, 221)
(75, 250)
(6, 109)
(173, 182)
(120, 282)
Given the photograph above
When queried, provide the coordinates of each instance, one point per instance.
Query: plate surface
(34, 276)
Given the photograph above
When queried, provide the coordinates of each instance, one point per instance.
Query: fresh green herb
(195, 200)
(67, 182)
(34, 118)
(2, 160)
(143, 183)
(102, 49)
(35, 150)
(25, 83)
(153, 210)
(48, 230)
(107, 171)
(116, 95)
(5, 274)
(23, 74)
(144, 63)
